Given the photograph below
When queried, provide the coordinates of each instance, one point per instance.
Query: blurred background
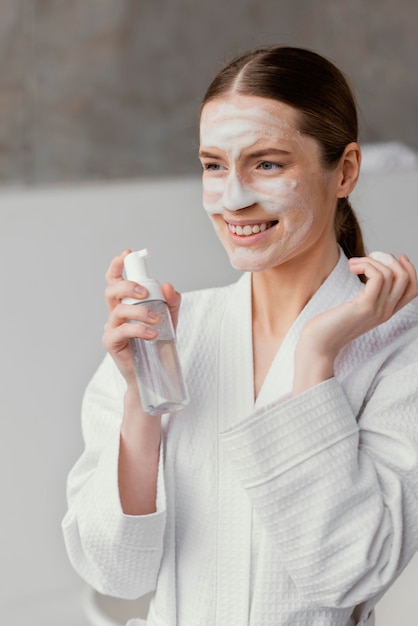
(98, 140)
(109, 89)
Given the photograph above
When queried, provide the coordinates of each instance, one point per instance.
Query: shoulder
(399, 334)
(207, 303)
(388, 352)
(399, 339)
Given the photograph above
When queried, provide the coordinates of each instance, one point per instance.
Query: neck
(279, 294)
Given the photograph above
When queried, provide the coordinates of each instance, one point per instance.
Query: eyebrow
(208, 155)
(256, 154)
(266, 151)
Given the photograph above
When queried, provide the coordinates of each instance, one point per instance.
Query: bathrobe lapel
(340, 286)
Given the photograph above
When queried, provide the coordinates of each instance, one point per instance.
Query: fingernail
(139, 290)
(152, 315)
(149, 332)
(406, 258)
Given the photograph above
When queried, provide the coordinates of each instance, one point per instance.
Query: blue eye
(213, 167)
(269, 166)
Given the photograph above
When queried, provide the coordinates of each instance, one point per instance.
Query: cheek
(281, 199)
(217, 222)
(212, 195)
(301, 217)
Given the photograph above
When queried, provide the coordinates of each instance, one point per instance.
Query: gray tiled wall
(102, 89)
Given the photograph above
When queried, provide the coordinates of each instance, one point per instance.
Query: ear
(349, 169)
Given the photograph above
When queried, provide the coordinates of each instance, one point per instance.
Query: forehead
(237, 115)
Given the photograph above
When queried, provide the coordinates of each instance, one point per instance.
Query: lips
(246, 230)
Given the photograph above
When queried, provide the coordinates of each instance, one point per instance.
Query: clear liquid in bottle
(157, 367)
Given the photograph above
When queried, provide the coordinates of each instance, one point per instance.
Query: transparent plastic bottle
(158, 373)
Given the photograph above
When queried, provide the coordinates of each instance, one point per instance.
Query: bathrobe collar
(340, 286)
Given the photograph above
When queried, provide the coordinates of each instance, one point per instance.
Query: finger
(115, 269)
(114, 278)
(404, 286)
(124, 313)
(380, 279)
(410, 269)
(173, 298)
(117, 338)
(398, 285)
(380, 296)
(116, 291)
(411, 289)
(401, 277)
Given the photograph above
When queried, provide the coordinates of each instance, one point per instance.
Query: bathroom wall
(110, 88)
(55, 246)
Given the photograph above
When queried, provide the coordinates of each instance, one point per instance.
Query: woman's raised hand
(391, 284)
(118, 329)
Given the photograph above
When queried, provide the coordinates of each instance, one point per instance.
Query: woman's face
(264, 187)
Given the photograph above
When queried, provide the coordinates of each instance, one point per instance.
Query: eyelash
(271, 163)
(216, 167)
(213, 167)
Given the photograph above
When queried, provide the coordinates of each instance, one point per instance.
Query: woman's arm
(140, 432)
(116, 553)
(138, 457)
(333, 471)
(337, 497)
(114, 526)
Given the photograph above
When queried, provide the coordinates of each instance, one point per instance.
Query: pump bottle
(157, 367)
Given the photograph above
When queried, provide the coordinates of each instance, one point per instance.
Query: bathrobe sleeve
(338, 492)
(117, 554)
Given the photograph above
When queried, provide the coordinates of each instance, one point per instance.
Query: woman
(287, 491)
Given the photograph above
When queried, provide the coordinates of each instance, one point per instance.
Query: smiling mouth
(250, 229)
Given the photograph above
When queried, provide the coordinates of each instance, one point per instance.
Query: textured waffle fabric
(285, 512)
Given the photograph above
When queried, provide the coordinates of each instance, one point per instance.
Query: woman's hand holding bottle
(140, 433)
(118, 329)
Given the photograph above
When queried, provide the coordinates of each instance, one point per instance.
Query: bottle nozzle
(144, 252)
(135, 265)
(136, 270)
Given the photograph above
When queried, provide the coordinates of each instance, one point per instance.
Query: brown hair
(310, 83)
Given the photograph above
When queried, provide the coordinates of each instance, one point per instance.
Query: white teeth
(249, 229)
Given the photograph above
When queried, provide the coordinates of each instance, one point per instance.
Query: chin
(246, 267)
(245, 261)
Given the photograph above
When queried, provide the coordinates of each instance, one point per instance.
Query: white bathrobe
(285, 512)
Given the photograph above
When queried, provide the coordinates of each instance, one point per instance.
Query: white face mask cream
(260, 174)
(234, 130)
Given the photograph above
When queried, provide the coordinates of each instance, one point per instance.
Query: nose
(236, 195)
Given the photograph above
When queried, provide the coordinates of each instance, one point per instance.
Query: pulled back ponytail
(347, 230)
